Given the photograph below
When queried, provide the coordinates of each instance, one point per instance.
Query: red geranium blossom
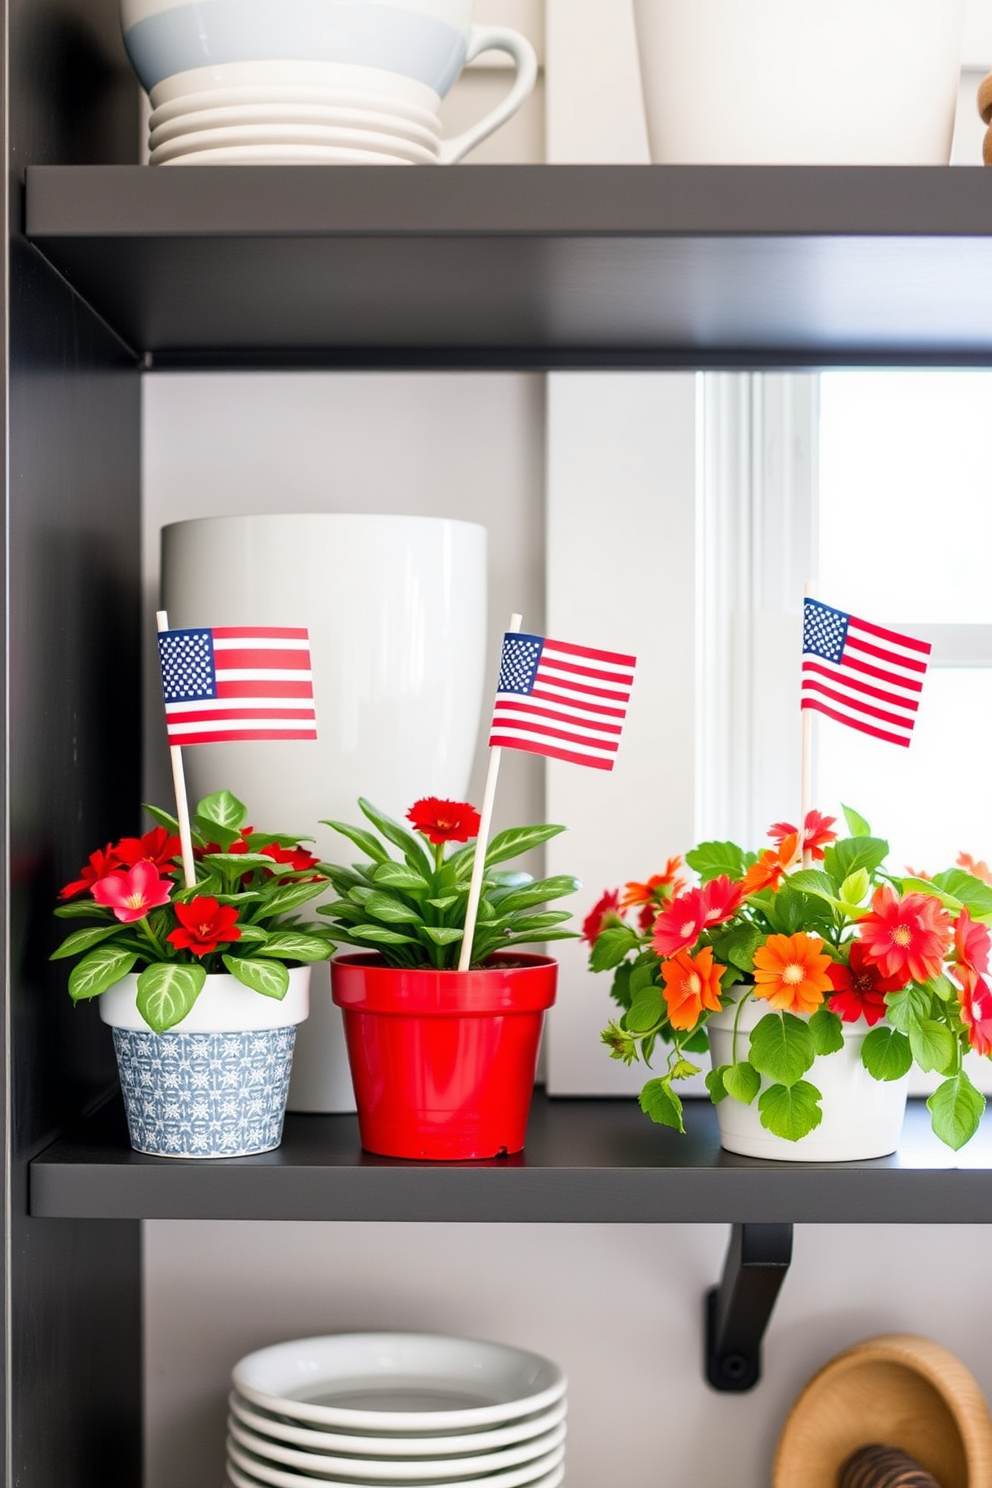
(98, 866)
(158, 847)
(204, 925)
(816, 833)
(906, 937)
(971, 943)
(860, 988)
(659, 890)
(691, 913)
(976, 1010)
(132, 893)
(298, 857)
(604, 912)
(444, 821)
(692, 983)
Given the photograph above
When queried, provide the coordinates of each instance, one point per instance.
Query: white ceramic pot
(371, 53)
(825, 82)
(215, 1085)
(862, 1117)
(396, 609)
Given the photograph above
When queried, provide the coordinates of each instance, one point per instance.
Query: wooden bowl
(900, 1391)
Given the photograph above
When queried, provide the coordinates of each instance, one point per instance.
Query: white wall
(619, 1306)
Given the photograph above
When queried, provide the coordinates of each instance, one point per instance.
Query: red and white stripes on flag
(565, 701)
(860, 674)
(233, 682)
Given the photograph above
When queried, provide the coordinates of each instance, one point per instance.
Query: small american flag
(860, 674)
(229, 682)
(565, 701)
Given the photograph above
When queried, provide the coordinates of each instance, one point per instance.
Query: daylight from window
(905, 538)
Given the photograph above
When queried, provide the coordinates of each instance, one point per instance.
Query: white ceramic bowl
(280, 97)
(280, 1477)
(400, 1382)
(301, 115)
(824, 82)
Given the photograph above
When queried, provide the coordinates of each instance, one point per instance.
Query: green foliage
(886, 1054)
(710, 859)
(659, 1101)
(790, 1111)
(956, 1108)
(782, 1047)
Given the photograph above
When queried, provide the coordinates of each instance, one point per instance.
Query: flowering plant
(412, 910)
(238, 916)
(824, 934)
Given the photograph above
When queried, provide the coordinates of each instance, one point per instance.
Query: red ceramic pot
(443, 1062)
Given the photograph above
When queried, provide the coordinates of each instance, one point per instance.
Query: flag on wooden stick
(233, 682)
(861, 674)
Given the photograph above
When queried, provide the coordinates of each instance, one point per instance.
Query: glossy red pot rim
(508, 983)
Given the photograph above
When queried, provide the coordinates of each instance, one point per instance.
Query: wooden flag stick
(481, 842)
(806, 761)
(179, 782)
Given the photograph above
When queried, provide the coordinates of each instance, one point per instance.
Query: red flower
(906, 937)
(204, 925)
(297, 857)
(99, 865)
(133, 893)
(976, 1010)
(659, 890)
(860, 988)
(603, 913)
(816, 833)
(692, 983)
(769, 870)
(444, 821)
(158, 847)
(686, 917)
(971, 943)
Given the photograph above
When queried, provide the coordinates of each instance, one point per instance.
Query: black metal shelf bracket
(738, 1310)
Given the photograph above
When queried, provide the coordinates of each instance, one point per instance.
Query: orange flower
(980, 869)
(655, 894)
(790, 972)
(692, 983)
(769, 870)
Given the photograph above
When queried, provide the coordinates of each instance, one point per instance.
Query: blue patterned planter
(205, 1094)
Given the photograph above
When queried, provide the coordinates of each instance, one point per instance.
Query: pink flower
(132, 893)
(686, 917)
(976, 1010)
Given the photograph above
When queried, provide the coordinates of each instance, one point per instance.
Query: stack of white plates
(291, 125)
(380, 1410)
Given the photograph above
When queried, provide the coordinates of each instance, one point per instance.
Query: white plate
(393, 1470)
(401, 1382)
(281, 155)
(516, 1477)
(292, 116)
(293, 136)
(208, 102)
(245, 1480)
(426, 1445)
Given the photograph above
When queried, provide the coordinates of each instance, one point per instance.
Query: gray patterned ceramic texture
(205, 1094)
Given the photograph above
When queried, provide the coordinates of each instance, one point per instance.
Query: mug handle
(502, 39)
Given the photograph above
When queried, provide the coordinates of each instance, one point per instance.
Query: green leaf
(270, 978)
(81, 940)
(782, 1047)
(520, 924)
(715, 1085)
(224, 810)
(933, 1045)
(967, 890)
(540, 892)
(741, 1081)
(907, 1009)
(856, 825)
(295, 945)
(410, 844)
(659, 1101)
(162, 818)
(792, 909)
(956, 1109)
(827, 1030)
(854, 889)
(845, 857)
(886, 1054)
(369, 844)
(790, 1111)
(929, 886)
(380, 934)
(443, 936)
(683, 1070)
(738, 946)
(387, 907)
(400, 876)
(647, 1010)
(167, 991)
(611, 946)
(620, 989)
(442, 904)
(83, 909)
(517, 840)
(287, 896)
(710, 859)
(99, 970)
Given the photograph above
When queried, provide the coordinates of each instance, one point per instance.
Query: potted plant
(203, 985)
(443, 1060)
(816, 976)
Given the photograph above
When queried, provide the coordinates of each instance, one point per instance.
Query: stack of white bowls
(377, 1410)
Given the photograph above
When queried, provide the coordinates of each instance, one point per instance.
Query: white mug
(386, 54)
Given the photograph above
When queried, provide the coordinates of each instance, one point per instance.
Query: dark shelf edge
(587, 1161)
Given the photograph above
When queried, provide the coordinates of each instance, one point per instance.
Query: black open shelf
(585, 1161)
(526, 266)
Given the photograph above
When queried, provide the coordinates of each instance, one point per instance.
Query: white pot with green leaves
(203, 977)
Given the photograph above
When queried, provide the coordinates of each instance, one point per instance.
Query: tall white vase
(396, 609)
